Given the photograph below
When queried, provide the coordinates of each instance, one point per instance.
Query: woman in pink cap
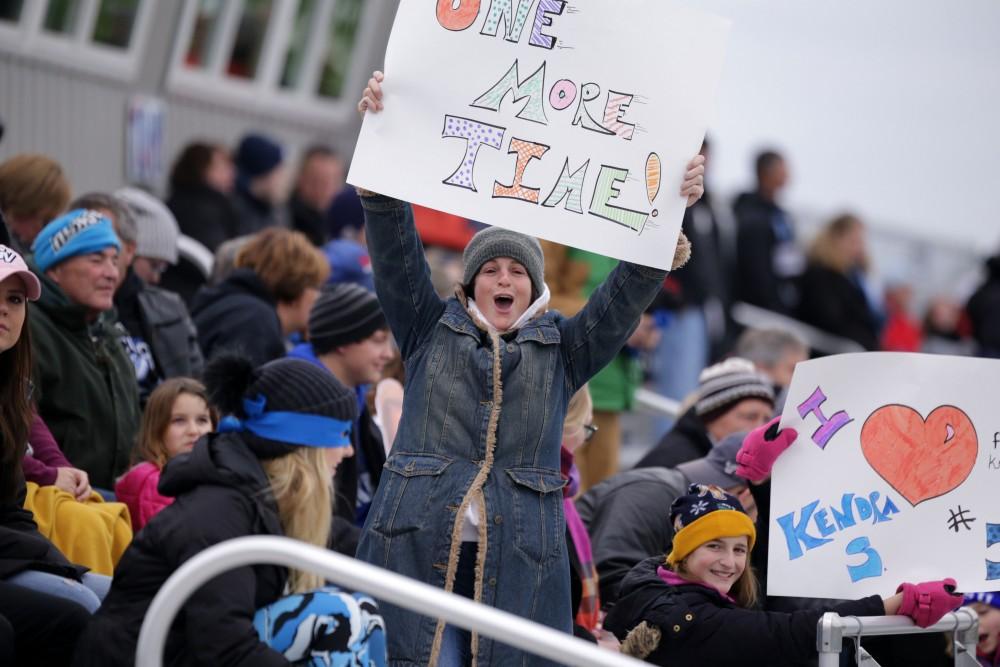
(43, 604)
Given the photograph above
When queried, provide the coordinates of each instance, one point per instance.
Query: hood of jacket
(240, 282)
(218, 459)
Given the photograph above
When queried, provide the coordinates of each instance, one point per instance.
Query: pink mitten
(927, 602)
(761, 448)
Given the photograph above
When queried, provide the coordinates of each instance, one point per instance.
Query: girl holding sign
(696, 606)
(471, 497)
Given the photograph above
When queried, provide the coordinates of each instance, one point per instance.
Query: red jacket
(137, 489)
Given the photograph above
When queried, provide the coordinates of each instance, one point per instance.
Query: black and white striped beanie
(729, 382)
(344, 313)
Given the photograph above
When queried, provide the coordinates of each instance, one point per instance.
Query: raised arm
(402, 277)
(593, 337)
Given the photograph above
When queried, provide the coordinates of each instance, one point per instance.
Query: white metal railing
(832, 629)
(755, 317)
(358, 576)
(657, 403)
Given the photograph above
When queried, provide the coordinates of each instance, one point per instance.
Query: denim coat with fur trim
(482, 421)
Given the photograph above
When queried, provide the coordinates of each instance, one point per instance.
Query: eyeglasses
(589, 431)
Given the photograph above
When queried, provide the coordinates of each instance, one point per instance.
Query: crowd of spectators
(178, 356)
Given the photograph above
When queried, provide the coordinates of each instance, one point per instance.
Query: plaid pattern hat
(494, 242)
(729, 382)
(703, 514)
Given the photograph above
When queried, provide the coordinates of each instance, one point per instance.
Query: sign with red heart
(920, 458)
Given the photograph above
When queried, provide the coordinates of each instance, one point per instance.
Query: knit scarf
(588, 615)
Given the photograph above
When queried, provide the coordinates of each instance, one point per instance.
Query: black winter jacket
(984, 311)
(221, 492)
(204, 214)
(368, 445)
(832, 302)
(22, 547)
(768, 263)
(627, 522)
(686, 441)
(699, 627)
(239, 315)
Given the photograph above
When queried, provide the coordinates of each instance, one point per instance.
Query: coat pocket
(538, 513)
(407, 492)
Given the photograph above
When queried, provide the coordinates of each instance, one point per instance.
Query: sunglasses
(589, 431)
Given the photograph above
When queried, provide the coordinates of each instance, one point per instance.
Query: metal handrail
(833, 628)
(755, 317)
(358, 576)
(657, 403)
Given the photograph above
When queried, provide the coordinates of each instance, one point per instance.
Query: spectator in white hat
(156, 234)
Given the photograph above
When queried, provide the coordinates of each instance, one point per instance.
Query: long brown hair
(156, 418)
(15, 408)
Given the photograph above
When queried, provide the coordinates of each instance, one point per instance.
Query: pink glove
(761, 448)
(927, 602)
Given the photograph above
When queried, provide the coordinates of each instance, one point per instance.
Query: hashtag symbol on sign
(959, 518)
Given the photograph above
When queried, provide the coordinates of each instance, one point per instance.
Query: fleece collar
(539, 306)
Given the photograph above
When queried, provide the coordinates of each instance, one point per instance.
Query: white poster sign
(895, 476)
(572, 121)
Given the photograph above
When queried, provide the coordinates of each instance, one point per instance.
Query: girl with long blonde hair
(268, 471)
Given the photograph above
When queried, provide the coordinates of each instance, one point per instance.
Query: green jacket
(613, 389)
(85, 386)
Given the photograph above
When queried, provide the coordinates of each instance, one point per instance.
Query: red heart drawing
(920, 459)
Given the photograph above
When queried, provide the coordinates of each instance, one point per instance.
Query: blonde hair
(286, 262)
(156, 418)
(744, 590)
(580, 405)
(302, 486)
(825, 249)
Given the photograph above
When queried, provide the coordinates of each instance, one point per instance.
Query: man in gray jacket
(628, 515)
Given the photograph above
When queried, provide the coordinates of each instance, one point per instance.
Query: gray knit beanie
(727, 383)
(494, 242)
(156, 227)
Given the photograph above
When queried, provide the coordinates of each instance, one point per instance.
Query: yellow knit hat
(703, 514)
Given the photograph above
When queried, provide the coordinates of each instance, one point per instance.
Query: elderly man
(85, 386)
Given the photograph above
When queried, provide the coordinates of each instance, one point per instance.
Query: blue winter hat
(349, 263)
(79, 232)
(992, 599)
(257, 155)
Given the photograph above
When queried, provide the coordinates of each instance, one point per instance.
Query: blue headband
(79, 232)
(293, 428)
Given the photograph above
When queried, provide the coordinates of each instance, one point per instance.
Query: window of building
(10, 10)
(339, 46)
(99, 36)
(296, 55)
(116, 22)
